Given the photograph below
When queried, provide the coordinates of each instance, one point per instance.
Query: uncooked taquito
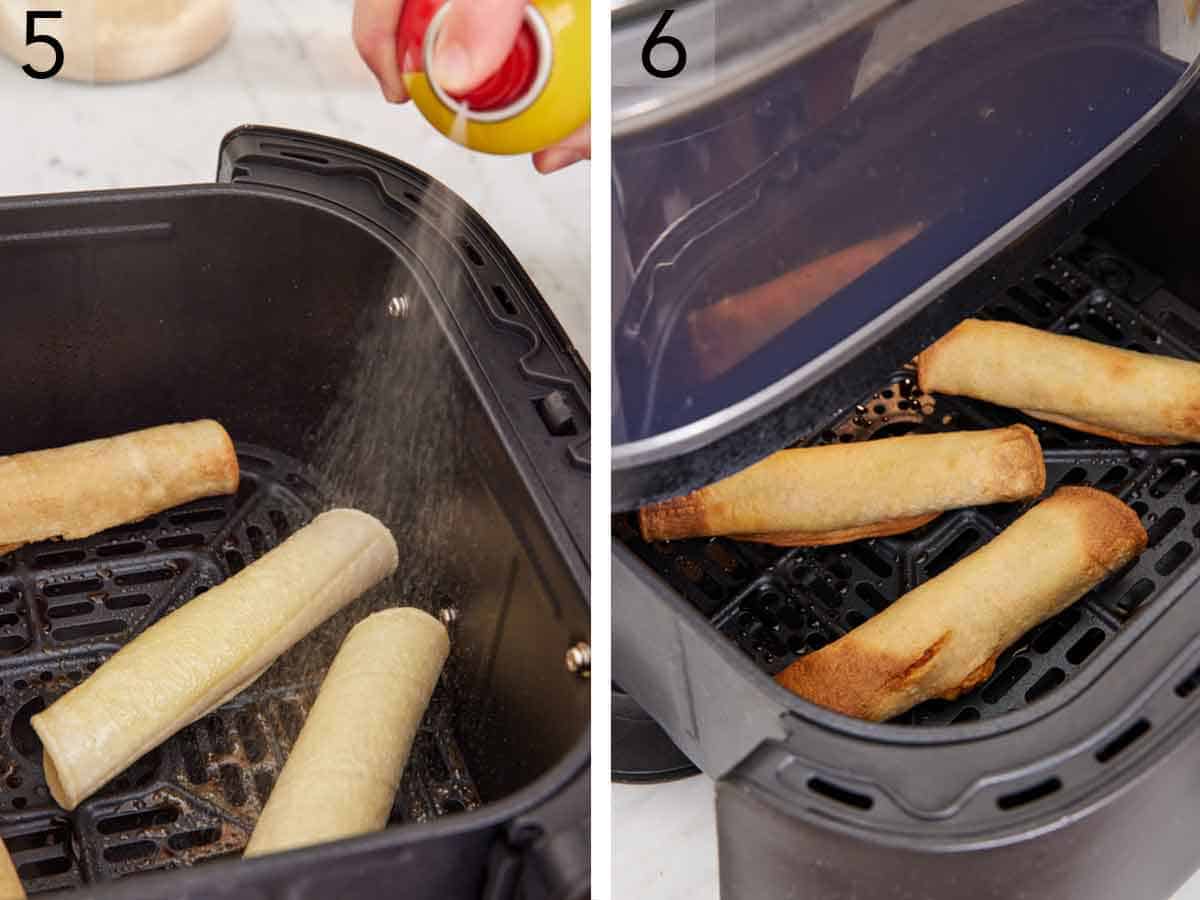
(208, 650)
(79, 490)
(10, 882)
(726, 332)
(1137, 398)
(344, 770)
(942, 639)
(814, 496)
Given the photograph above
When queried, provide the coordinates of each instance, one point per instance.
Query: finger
(576, 147)
(475, 39)
(376, 26)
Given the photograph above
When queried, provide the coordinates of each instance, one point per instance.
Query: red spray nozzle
(507, 85)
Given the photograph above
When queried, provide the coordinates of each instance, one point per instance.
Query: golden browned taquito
(942, 638)
(816, 496)
(342, 775)
(79, 490)
(208, 650)
(10, 882)
(1137, 398)
(728, 331)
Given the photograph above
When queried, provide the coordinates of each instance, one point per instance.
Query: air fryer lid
(764, 228)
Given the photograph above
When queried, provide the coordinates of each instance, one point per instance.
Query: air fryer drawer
(339, 314)
(1071, 772)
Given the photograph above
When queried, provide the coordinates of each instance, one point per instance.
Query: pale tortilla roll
(815, 496)
(211, 648)
(1137, 398)
(10, 882)
(942, 638)
(342, 775)
(726, 332)
(79, 490)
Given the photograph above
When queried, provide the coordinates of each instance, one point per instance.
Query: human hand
(474, 41)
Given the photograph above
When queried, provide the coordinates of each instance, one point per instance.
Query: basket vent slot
(839, 794)
(1122, 741)
(305, 157)
(872, 560)
(1077, 475)
(151, 818)
(1173, 558)
(1175, 473)
(1188, 686)
(128, 852)
(1135, 596)
(1085, 646)
(953, 552)
(197, 516)
(1044, 685)
(504, 299)
(88, 630)
(128, 548)
(87, 586)
(1004, 682)
(1165, 525)
(1028, 795)
(472, 253)
(189, 839)
(59, 558)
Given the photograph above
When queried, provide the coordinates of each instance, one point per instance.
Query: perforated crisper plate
(778, 604)
(66, 607)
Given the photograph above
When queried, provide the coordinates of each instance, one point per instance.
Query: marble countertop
(289, 63)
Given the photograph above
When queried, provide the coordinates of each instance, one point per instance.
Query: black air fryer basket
(367, 340)
(1074, 771)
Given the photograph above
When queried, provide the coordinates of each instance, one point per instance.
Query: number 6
(656, 38)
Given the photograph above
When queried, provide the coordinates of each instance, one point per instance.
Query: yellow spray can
(539, 96)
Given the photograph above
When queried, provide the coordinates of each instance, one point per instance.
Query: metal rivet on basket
(579, 659)
(398, 307)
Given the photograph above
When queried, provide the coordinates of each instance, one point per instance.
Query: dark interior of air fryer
(1127, 280)
(317, 349)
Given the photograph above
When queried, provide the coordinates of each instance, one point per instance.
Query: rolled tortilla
(211, 648)
(1137, 398)
(726, 332)
(10, 882)
(79, 490)
(942, 638)
(344, 770)
(816, 496)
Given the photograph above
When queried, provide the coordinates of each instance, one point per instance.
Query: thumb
(475, 39)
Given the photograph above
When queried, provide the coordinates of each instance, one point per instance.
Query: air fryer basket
(1070, 773)
(778, 604)
(367, 341)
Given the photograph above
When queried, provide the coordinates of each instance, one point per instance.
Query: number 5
(32, 37)
(656, 38)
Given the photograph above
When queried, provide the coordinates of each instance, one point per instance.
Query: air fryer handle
(546, 853)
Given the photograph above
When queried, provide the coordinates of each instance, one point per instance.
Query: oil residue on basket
(393, 443)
